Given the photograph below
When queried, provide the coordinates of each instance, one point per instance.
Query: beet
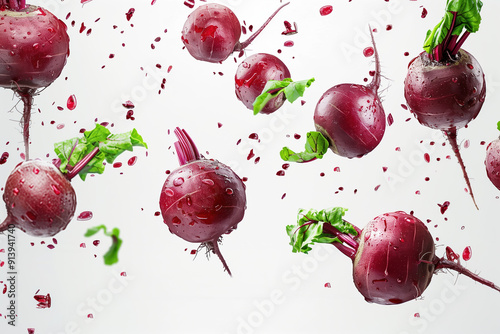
(212, 31)
(492, 162)
(39, 199)
(252, 75)
(202, 199)
(393, 256)
(34, 46)
(445, 86)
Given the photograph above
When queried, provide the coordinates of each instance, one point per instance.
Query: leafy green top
(316, 146)
(460, 15)
(111, 256)
(310, 226)
(291, 89)
(101, 143)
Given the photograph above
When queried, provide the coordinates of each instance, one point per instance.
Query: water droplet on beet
(169, 192)
(326, 10)
(36, 170)
(176, 220)
(71, 103)
(209, 182)
(31, 216)
(470, 66)
(15, 191)
(55, 189)
(178, 181)
(229, 191)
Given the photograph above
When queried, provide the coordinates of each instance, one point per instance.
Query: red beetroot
(393, 256)
(445, 86)
(34, 47)
(492, 161)
(203, 199)
(212, 31)
(252, 76)
(39, 199)
(38, 195)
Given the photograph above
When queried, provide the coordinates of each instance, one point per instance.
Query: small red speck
(390, 119)
(384, 169)
(123, 274)
(285, 166)
(427, 178)
(467, 143)
(189, 3)
(325, 10)
(96, 242)
(280, 173)
(117, 165)
(404, 106)
(336, 169)
(388, 27)
(427, 157)
(296, 136)
(132, 161)
(82, 245)
(376, 187)
(129, 14)
(71, 103)
(288, 44)
(50, 246)
(219, 125)
(2, 264)
(32, 330)
(193, 252)
(128, 104)
(328, 285)
(44, 301)
(4, 288)
(157, 213)
(253, 136)
(406, 54)
(90, 316)
(416, 315)
(424, 13)
(283, 196)
(251, 154)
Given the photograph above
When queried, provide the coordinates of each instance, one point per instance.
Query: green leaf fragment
(71, 151)
(316, 146)
(291, 89)
(309, 228)
(111, 256)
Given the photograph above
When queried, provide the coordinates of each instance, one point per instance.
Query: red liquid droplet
(467, 253)
(71, 103)
(280, 173)
(209, 182)
(178, 181)
(288, 44)
(368, 51)
(444, 206)
(85, 215)
(390, 119)
(43, 301)
(117, 165)
(56, 190)
(3, 158)
(96, 242)
(427, 157)
(130, 13)
(326, 10)
(132, 161)
(424, 13)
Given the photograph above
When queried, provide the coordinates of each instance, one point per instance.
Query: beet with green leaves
(349, 119)
(263, 83)
(34, 47)
(38, 195)
(203, 199)
(393, 257)
(445, 87)
(212, 32)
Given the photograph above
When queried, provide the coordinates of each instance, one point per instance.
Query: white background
(272, 289)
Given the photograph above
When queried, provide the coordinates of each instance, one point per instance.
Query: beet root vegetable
(38, 195)
(202, 199)
(39, 199)
(349, 117)
(492, 161)
(34, 46)
(445, 86)
(212, 32)
(393, 256)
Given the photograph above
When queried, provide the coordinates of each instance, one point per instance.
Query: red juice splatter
(444, 207)
(44, 301)
(90, 316)
(336, 169)
(467, 253)
(4, 291)
(128, 104)
(253, 136)
(2, 264)
(326, 10)
(83, 245)
(193, 252)
(117, 165)
(3, 157)
(130, 115)
(96, 242)
(296, 136)
(285, 166)
(123, 274)
(424, 13)
(283, 196)
(132, 161)
(82, 28)
(388, 27)
(85, 215)
(71, 103)
(368, 51)
(390, 119)
(328, 285)
(288, 44)
(129, 14)
(427, 157)
(32, 330)
(451, 255)
(51, 246)
(280, 173)
(251, 154)
(384, 169)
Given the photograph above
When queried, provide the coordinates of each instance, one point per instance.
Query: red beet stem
(26, 96)
(375, 84)
(460, 43)
(442, 263)
(214, 247)
(185, 147)
(451, 134)
(241, 46)
(81, 164)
